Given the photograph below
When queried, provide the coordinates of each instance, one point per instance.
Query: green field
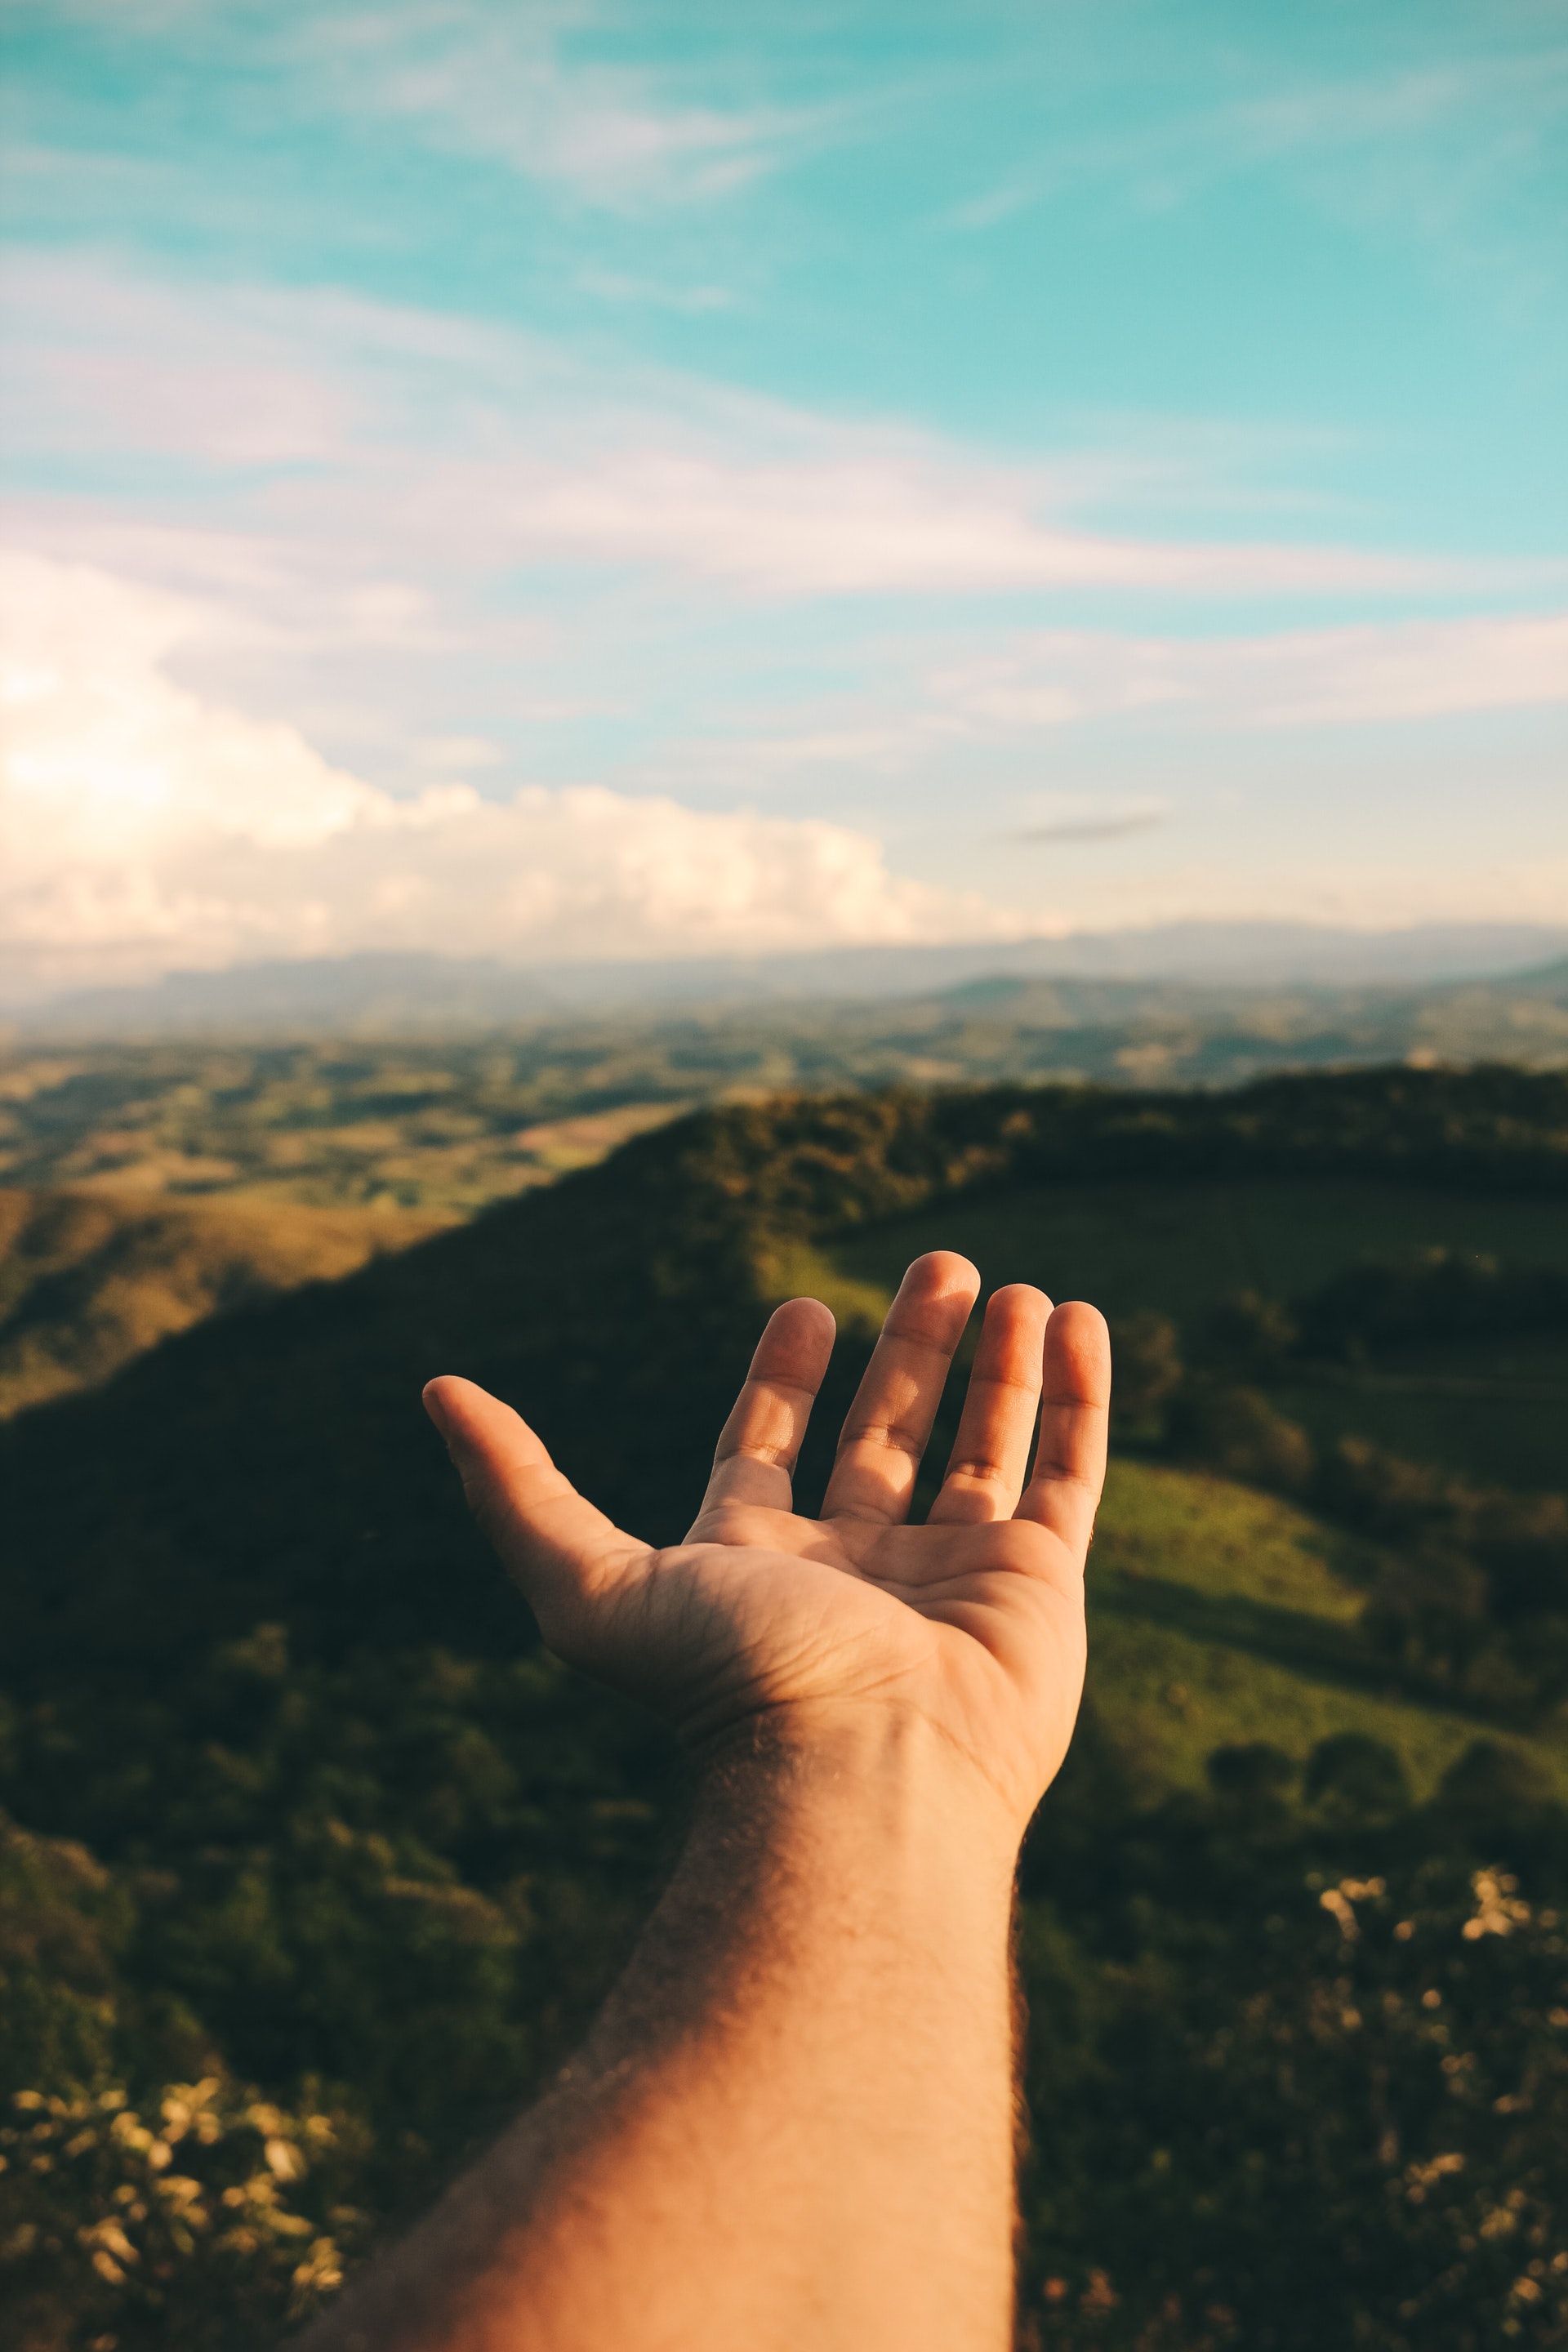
(442, 1129)
(1180, 1245)
(1498, 1410)
(1219, 1615)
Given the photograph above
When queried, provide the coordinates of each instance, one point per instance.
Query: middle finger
(991, 1453)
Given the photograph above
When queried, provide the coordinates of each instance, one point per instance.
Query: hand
(970, 1626)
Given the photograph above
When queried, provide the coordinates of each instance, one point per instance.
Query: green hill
(88, 1280)
(1220, 1616)
(421, 1098)
(438, 1129)
(303, 1808)
(1495, 1405)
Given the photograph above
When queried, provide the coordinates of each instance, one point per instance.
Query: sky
(598, 481)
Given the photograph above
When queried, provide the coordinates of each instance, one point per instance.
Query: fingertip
(804, 1311)
(798, 1341)
(938, 1278)
(454, 1404)
(1019, 1298)
(1079, 1335)
(431, 1397)
(1081, 1317)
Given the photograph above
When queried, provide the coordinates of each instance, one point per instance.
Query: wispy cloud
(1319, 677)
(1083, 820)
(507, 86)
(434, 441)
(1425, 146)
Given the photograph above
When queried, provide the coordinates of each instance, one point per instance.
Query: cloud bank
(142, 828)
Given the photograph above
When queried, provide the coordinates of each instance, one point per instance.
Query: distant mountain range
(426, 994)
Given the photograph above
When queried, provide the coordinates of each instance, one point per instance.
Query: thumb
(549, 1538)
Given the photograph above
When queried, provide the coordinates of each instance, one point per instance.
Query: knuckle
(887, 1436)
(979, 1470)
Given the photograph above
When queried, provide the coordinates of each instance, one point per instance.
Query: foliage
(1355, 1777)
(197, 2227)
(1337, 2119)
(1239, 1431)
(445, 1085)
(1146, 1350)
(1442, 1294)
(88, 1280)
(310, 1819)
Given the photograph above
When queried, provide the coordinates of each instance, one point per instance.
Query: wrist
(878, 1789)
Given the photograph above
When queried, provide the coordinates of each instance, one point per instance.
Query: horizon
(571, 486)
(384, 993)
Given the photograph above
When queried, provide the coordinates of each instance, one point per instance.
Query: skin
(793, 2124)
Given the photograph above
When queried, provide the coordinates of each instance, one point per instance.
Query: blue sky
(608, 479)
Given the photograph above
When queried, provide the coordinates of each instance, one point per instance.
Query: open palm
(971, 1623)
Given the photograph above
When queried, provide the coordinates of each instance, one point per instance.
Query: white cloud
(143, 829)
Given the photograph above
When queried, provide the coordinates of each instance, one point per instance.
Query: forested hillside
(421, 1103)
(321, 1864)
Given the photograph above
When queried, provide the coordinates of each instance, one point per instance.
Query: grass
(1180, 1247)
(88, 1280)
(1219, 1615)
(436, 1129)
(1496, 1412)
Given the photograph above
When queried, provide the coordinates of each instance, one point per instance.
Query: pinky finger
(1064, 1489)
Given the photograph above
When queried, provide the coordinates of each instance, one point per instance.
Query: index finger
(759, 1445)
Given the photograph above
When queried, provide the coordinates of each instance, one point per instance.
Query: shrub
(202, 2221)
(1145, 1354)
(1356, 1777)
(1252, 1774)
(1238, 1432)
(1495, 1781)
(1252, 1331)
(1428, 1610)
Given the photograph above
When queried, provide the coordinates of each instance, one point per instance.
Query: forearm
(793, 2123)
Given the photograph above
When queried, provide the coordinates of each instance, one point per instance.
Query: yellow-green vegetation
(419, 1094)
(1180, 1244)
(1497, 1407)
(1220, 1616)
(423, 1127)
(308, 1813)
(88, 1280)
